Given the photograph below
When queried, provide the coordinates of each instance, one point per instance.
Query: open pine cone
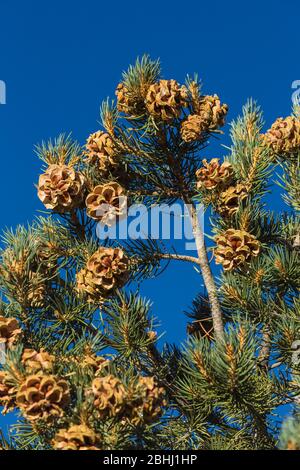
(192, 128)
(230, 199)
(212, 112)
(148, 405)
(128, 103)
(107, 269)
(165, 99)
(86, 285)
(77, 437)
(43, 397)
(101, 150)
(110, 395)
(34, 361)
(10, 331)
(235, 248)
(284, 136)
(212, 174)
(7, 392)
(106, 203)
(61, 188)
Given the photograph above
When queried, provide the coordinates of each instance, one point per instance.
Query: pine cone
(110, 395)
(7, 393)
(284, 136)
(37, 361)
(107, 269)
(17, 268)
(22, 266)
(128, 103)
(85, 284)
(97, 363)
(212, 112)
(10, 331)
(192, 128)
(235, 248)
(148, 405)
(165, 99)
(101, 150)
(61, 188)
(77, 437)
(48, 254)
(230, 199)
(212, 174)
(43, 397)
(37, 293)
(106, 203)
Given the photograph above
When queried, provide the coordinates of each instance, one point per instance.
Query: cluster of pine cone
(38, 393)
(210, 116)
(76, 437)
(140, 402)
(43, 397)
(62, 189)
(218, 180)
(165, 99)
(234, 247)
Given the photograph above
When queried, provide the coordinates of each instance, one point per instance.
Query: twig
(191, 259)
(208, 279)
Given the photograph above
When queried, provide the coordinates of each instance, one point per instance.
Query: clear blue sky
(59, 59)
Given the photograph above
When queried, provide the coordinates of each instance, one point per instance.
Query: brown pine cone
(97, 363)
(37, 361)
(7, 393)
(101, 150)
(128, 102)
(235, 248)
(61, 188)
(86, 285)
(230, 199)
(212, 174)
(10, 331)
(77, 437)
(147, 406)
(106, 203)
(43, 397)
(107, 269)
(110, 395)
(193, 128)
(212, 112)
(284, 136)
(37, 293)
(165, 99)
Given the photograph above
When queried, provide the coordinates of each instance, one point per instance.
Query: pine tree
(84, 367)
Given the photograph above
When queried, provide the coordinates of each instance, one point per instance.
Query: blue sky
(60, 59)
